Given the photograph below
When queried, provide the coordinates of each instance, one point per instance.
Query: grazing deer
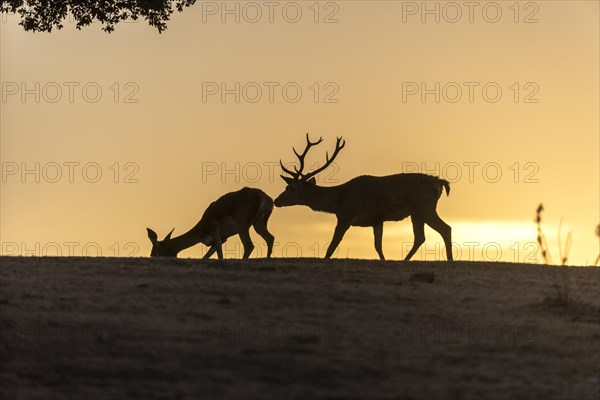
(231, 214)
(369, 200)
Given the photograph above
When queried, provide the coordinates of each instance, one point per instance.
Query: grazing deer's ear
(312, 181)
(152, 235)
(168, 237)
(287, 179)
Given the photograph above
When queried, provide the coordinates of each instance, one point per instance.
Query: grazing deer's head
(299, 183)
(161, 248)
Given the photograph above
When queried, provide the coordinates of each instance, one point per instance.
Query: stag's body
(370, 201)
(232, 214)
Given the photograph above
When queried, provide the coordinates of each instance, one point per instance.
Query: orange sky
(141, 109)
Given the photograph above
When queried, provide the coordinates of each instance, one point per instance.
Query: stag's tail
(446, 186)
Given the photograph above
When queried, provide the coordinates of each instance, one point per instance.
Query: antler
(298, 175)
(339, 145)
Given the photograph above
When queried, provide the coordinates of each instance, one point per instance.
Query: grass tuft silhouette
(598, 234)
(563, 252)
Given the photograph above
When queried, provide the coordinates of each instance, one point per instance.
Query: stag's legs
(419, 232)
(260, 226)
(247, 242)
(378, 233)
(435, 222)
(338, 234)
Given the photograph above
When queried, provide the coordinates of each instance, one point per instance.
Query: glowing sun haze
(103, 135)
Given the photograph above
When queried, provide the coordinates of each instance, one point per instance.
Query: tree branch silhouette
(45, 15)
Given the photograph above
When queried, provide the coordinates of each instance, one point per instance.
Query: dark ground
(110, 328)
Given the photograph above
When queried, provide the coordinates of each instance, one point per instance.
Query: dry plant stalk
(564, 255)
(541, 238)
(563, 252)
(598, 234)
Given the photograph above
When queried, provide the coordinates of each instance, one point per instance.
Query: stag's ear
(287, 179)
(152, 235)
(168, 237)
(312, 181)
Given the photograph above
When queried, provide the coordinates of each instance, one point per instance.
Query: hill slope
(147, 328)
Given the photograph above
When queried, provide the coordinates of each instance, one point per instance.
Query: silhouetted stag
(369, 200)
(231, 214)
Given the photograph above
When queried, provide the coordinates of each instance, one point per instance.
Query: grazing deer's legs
(217, 242)
(210, 252)
(247, 242)
(419, 232)
(338, 234)
(378, 233)
(444, 230)
(260, 227)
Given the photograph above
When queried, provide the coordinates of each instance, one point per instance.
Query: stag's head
(297, 191)
(161, 248)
